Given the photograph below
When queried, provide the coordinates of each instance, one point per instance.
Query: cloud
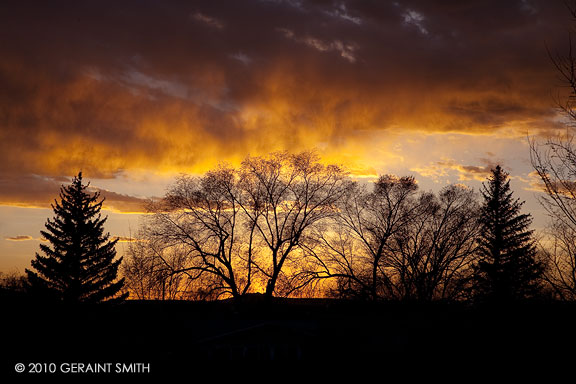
(19, 238)
(40, 192)
(340, 10)
(242, 57)
(345, 50)
(123, 203)
(563, 187)
(416, 19)
(121, 239)
(447, 167)
(207, 20)
(107, 87)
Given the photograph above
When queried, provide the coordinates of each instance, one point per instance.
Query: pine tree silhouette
(79, 265)
(507, 269)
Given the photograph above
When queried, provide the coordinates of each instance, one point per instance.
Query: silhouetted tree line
(287, 225)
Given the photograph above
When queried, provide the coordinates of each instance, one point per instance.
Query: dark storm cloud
(107, 85)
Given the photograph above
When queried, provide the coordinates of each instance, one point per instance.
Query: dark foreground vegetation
(187, 338)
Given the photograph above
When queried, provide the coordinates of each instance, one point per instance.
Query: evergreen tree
(507, 268)
(79, 264)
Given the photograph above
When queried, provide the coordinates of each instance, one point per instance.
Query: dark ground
(223, 338)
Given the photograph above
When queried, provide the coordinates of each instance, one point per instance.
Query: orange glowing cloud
(109, 88)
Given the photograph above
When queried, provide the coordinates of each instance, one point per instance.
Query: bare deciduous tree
(242, 230)
(555, 164)
(12, 281)
(283, 197)
(202, 216)
(396, 243)
(557, 248)
(149, 270)
(431, 256)
(355, 251)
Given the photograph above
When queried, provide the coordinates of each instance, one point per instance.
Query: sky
(134, 93)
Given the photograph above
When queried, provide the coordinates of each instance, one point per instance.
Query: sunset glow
(135, 95)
